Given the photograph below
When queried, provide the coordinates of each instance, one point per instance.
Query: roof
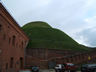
(10, 18)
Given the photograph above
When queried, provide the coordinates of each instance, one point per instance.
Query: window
(21, 62)
(71, 59)
(0, 27)
(6, 66)
(8, 27)
(11, 62)
(13, 40)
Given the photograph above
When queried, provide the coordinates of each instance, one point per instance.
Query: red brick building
(13, 42)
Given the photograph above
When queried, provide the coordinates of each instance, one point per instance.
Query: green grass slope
(37, 24)
(44, 36)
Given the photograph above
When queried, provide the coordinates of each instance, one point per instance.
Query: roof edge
(11, 18)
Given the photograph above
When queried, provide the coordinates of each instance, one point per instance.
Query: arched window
(6, 66)
(13, 40)
(21, 62)
(11, 62)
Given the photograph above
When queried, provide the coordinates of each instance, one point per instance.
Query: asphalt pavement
(50, 70)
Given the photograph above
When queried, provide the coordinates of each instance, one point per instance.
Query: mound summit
(42, 35)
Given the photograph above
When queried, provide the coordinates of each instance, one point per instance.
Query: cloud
(91, 22)
(86, 37)
(75, 17)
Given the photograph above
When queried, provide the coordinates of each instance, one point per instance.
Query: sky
(77, 18)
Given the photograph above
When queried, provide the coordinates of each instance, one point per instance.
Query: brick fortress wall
(12, 43)
(42, 57)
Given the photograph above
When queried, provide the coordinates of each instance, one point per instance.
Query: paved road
(45, 70)
(51, 70)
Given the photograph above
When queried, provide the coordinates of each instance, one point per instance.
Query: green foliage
(43, 36)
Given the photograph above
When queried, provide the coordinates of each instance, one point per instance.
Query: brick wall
(57, 56)
(12, 42)
(43, 53)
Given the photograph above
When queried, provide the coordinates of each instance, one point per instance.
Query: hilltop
(42, 35)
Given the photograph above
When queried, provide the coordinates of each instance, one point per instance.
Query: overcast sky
(77, 18)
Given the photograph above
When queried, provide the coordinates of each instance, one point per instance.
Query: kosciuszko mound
(42, 35)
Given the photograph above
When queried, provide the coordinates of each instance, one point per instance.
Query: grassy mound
(36, 24)
(44, 36)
